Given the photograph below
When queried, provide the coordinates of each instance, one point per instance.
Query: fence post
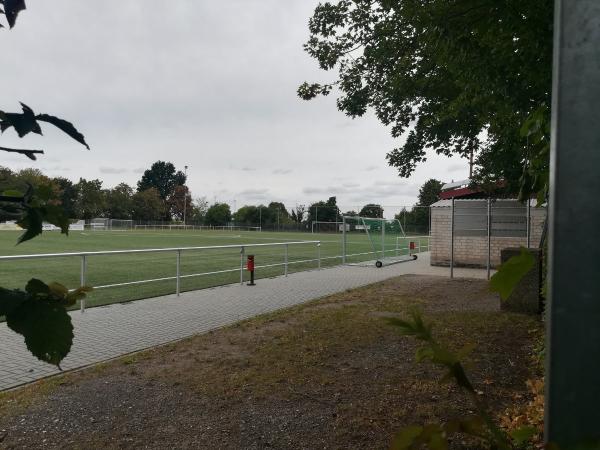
(286, 260)
(382, 239)
(177, 289)
(82, 281)
(242, 251)
(528, 223)
(344, 239)
(489, 236)
(452, 241)
(319, 254)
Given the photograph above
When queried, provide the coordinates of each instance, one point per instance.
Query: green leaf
(511, 273)
(32, 222)
(12, 9)
(36, 287)
(406, 438)
(63, 125)
(522, 435)
(12, 193)
(11, 300)
(46, 327)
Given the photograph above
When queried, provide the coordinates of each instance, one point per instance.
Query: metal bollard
(250, 267)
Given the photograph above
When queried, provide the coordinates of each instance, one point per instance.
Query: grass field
(126, 268)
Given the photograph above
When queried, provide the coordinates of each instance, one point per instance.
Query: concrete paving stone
(110, 331)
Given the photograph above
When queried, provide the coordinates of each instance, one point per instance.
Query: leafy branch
(38, 312)
(480, 426)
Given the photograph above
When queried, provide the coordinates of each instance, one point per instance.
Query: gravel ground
(328, 374)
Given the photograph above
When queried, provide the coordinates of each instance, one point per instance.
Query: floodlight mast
(185, 168)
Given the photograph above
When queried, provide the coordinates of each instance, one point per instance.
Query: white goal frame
(120, 224)
(381, 256)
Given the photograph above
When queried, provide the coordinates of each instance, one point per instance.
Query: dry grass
(328, 374)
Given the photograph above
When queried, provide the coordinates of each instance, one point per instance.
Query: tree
(67, 194)
(147, 205)
(417, 219)
(119, 202)
(199, 209)
(177, 200)
(218, 214)
(371, 210)
(163, 177)
(297, 215)
(429, 193)
(456, 77)
(247, 215)
(91, 199)
(324, 211)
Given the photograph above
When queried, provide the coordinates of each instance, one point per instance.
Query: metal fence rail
(177, 251)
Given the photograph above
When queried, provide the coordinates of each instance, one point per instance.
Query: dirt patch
(328, 374)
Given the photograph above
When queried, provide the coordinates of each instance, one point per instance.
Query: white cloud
(212, 85)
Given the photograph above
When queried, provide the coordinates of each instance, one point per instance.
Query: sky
(203, 83)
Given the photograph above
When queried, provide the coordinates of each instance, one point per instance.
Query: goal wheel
(378, 264)
(414, 257)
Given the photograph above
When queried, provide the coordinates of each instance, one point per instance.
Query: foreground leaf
(12, 9)
(46, 327)
(511, 273)
(65, 126)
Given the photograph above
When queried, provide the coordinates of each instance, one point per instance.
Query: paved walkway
(107, 332)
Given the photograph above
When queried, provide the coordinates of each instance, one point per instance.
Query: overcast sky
(204, 83)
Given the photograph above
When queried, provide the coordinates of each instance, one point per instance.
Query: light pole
(185, 168)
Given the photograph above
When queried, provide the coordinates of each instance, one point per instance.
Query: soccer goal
(120, 224)
(99, 224)
(319, 226)
(368, 241)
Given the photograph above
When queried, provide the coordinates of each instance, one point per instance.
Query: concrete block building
(508, 224)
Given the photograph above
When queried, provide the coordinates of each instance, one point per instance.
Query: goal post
(370, 241)
(120, 224)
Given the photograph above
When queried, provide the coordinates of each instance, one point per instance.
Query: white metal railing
(193, 227)
(178, 251)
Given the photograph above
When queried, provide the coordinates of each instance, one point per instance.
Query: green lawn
(111, 269)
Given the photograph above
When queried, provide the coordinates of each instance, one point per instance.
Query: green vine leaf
(39, 314)
(46, 327)
(511, 273)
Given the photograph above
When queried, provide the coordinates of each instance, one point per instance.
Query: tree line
(161, 195)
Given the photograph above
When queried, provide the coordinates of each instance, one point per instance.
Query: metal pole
(178, 279)
(242, 251)
(319, 254)
(344, 239)
(82, 281)
(382, 240)
(286, 260)
(489, 236)
(452, 240)
(573, 306)
(260, 217)
(185, 197)
(316, 215)
(528, 223)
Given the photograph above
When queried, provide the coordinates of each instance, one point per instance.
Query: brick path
(106, 332)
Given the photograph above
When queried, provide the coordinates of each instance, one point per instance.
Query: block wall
(471, 251)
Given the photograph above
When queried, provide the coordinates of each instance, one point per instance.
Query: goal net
(99, 224)
(319, 226)
(120, 224)
(373, 242)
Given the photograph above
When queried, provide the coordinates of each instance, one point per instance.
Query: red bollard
(411, 246)
(250, 268)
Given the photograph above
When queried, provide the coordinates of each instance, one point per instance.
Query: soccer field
(197, 267)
